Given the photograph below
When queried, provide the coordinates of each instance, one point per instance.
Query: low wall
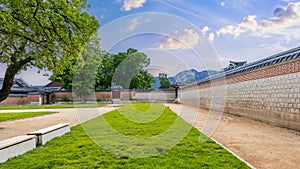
(60, 95)
(26, 100)
(270, 94)
(106, 95)
(155, 95)
(98, 94)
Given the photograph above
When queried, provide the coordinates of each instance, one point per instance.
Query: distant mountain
(191, 76)
(186, 77)
(156, 85)
(172, 80)
(204, 74)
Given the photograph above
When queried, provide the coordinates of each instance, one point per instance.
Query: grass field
(56, 106)
(77, 150)
(14, 116)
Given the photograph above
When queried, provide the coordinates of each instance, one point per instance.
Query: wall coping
(282, 57)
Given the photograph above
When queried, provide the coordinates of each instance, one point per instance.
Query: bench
(16, 146)
(46, 134)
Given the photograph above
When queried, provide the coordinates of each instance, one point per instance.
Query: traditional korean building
(22, 93)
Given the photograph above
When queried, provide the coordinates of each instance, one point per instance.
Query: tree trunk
(10, 73)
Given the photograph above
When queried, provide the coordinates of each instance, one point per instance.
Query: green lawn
(13, 116)
(55, 106)
(77, 150)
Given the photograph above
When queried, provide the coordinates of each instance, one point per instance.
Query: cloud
(211, 37)
(132, 4)
(222, 4)
(248, 24)
(284, 15)
(204, 30)
(135, 22)
(188, 38)
(285, 22)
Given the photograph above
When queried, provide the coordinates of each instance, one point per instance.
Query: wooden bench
(16, 146)
(46, 134)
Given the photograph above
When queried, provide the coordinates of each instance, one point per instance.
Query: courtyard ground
(9, 129)
(260, 144)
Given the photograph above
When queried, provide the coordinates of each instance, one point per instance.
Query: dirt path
(260, 144)
(13, 128)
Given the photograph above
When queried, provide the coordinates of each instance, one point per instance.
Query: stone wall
(269, 94)
(155, 95)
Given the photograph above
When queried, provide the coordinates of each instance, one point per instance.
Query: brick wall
(270, 94)
(148, 95)
(21, 100)
(99, 94)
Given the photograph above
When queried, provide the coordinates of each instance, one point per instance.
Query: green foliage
(80, 75)
(164, 81)
(96, 69)
(77, 150)
(66, 77)
(142, 80)
(125, 69)
(14, 116)
(65, 99)
(103, 99)
(86, 68)
(106, 71)
(45, 34)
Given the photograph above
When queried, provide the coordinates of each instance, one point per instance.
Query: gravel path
(13, 128)
(260, 144)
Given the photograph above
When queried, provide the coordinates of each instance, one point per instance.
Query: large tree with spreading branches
(43, 34)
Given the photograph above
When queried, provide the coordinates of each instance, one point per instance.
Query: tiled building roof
(21, 88)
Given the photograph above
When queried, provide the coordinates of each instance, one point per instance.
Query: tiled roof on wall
(268, 61)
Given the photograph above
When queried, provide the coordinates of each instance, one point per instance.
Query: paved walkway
(13, 128)
(260, 144)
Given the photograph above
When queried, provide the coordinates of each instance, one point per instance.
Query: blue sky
(237, 30)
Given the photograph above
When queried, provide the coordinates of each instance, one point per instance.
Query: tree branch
(54, 29)
(19, 35)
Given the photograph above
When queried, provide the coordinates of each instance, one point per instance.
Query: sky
(189, 34)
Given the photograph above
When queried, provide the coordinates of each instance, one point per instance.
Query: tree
(65, 77)
(48, 35)
(142, 80)
(106, 70)
(80, 77)
(164, 81)
(125, 69)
